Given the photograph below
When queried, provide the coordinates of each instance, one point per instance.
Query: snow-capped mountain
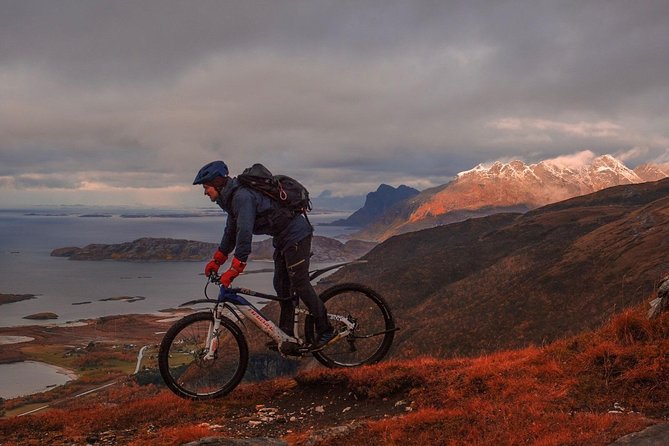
(512, 186)
(652, 172)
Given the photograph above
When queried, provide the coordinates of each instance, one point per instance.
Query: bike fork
(212, 338)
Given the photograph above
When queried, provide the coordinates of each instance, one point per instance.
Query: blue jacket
(251, 212)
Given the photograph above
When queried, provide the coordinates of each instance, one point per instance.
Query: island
(150, 249)
(11, 298)
(129, 299)
(42, 316)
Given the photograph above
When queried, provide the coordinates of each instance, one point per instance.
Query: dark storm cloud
(343, 93)
(112, 41)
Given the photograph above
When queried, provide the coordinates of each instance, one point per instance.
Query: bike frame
(231, 299)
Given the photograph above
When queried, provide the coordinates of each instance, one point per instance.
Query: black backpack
(288, 192)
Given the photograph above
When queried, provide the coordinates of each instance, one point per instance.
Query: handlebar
(214, 278)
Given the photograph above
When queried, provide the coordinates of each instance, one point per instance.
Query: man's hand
(236, 269)
(215, 263)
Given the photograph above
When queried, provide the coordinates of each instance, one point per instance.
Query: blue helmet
(211, 171)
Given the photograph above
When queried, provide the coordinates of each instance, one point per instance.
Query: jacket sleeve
(228, 241)
(244, 211)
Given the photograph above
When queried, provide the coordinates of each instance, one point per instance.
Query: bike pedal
(291, 349)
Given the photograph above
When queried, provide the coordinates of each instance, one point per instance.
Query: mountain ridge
(503, 187)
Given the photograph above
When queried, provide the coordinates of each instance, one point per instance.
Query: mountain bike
(204, 355)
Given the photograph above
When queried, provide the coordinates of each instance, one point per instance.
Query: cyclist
(250, 212)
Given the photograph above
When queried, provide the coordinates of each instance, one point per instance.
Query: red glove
(215, 263)
(235, 269)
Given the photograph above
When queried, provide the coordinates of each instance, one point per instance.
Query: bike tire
(373, 336)
(182, 364)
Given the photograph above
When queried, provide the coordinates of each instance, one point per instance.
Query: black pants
(291, 278)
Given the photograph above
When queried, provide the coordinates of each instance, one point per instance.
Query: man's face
(211, 192)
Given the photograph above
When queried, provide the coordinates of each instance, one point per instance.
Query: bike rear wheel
(369, 341)
(186, 370)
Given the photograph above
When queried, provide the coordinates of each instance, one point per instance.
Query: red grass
(560, 394)
(172, 436)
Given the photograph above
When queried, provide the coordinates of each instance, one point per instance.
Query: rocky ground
(321, 414)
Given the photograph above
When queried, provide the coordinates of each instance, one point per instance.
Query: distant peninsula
(149, 249)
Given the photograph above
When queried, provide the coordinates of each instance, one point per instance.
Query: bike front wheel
(374, 327)
(187, 368)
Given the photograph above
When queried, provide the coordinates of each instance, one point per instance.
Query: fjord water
(73, 289)
(26, 377)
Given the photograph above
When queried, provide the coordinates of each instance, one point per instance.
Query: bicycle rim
(184, 367)
(374, 329)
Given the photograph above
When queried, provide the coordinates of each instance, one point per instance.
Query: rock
(656, 435)
(663, 289)
(661, 303)
(326, 435)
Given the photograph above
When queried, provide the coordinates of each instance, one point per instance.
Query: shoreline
(17, 339)
(44, 376)
(70, 374)
(29, 349)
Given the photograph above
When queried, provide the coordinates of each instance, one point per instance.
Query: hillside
(588, 389)
(507, 187)
(510, 280)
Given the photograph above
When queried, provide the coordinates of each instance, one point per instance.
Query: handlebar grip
(214, 278)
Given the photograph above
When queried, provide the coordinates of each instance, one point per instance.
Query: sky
(115, 102)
